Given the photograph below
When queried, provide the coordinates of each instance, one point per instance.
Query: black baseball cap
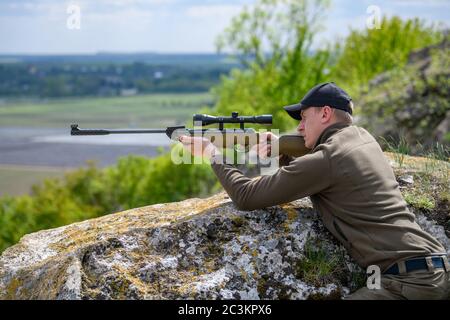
(324, 94)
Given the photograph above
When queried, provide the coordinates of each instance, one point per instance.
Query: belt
(418, 264)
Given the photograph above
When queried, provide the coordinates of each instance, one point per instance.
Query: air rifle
(290, 145)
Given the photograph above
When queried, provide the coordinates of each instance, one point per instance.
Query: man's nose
(300, 127)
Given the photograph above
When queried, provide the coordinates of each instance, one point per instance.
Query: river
(52, 147)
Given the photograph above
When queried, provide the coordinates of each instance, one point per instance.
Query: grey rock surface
(194, 249)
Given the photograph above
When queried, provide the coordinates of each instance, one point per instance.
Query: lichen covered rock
(197, 249)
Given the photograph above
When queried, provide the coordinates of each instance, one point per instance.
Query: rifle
(290, 145)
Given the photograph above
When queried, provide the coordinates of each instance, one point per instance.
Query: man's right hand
(263, 149)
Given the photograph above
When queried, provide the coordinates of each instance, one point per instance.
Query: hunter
(353, 187)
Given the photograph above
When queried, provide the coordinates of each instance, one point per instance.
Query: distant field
(144, 111)
(17, 180)
(154, 110)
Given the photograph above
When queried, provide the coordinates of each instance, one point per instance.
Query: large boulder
(197, 248)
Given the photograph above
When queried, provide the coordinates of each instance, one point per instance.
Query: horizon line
(112, 53)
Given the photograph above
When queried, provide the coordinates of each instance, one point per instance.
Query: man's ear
(327, 113)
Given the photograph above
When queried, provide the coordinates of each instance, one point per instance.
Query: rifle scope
(206, 119)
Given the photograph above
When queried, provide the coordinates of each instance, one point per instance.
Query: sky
(165, 26)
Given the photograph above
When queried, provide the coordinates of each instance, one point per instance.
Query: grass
(318, 267)
(430, 192)
(399, 148)
(154, 110)
(433, 160)
(419, 201)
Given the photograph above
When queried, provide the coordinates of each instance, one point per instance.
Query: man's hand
(199, 146)
(264, 148)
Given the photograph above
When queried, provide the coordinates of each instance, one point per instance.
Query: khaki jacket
(352, 186)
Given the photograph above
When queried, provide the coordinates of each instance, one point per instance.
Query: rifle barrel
(75, 131)
(119, 131)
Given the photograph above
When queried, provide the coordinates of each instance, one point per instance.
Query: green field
(17, 180)
(154, 110)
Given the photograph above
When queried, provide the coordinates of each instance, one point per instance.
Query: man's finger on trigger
(263, 151)
(268, 150)
(267, 136)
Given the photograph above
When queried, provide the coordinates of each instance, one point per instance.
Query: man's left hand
(199, 146)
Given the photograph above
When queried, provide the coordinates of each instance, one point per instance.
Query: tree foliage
(274, 41)
(367, 52)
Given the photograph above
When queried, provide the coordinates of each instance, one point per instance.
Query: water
(51, 135)
(56, 147)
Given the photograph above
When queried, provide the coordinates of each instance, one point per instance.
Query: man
(354, 189)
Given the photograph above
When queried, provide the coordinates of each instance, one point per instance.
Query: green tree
(274, 42)
(367, 52)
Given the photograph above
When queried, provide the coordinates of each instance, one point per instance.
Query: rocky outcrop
(412, 102)
(197, 248)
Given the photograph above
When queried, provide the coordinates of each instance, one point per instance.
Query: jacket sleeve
(304, 176)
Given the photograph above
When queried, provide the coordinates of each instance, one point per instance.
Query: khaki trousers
(415, 285)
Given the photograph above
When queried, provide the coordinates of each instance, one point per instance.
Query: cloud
(421, 3)
(32, 26)
(32, 8)
(207, 11)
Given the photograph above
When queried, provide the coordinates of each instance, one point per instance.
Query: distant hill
(126, 58)
(110, 74)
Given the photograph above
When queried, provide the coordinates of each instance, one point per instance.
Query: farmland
(28, 129)
(153, 110)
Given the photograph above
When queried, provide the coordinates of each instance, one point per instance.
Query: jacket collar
(329, 131)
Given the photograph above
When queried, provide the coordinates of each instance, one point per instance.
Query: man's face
(310, 127)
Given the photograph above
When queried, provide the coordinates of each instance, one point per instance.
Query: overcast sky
(40, 26)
